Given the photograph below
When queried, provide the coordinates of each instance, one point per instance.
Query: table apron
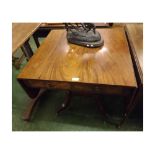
(77, 87)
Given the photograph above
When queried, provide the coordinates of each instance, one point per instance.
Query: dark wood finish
(26, 48)
(31, 106)
(36, 39)
(129, 107)
(78, 87)
(66, 103)
(31, 91)
(21, 32)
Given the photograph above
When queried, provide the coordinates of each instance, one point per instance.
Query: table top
(136, 37)
(21, 32)
(57, 60)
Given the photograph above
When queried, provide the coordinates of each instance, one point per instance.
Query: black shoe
(83, 34)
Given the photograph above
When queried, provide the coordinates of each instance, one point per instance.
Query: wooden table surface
(135, 32)
(57, 60)
(21, 32)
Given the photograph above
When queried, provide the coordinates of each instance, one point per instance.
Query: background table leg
(129, 107)
(36, 40)
(30, 108)
(26, 48)
(66, 103)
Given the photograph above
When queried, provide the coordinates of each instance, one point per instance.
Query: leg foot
(66, 103)
(106, 116)
(30, 108)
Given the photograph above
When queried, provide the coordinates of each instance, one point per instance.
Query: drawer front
(80, 87)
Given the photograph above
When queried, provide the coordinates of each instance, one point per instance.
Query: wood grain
(135, 38)
(21, 32)
(57, 60)
(135, 32)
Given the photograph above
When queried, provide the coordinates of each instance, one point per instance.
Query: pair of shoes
(83, 34)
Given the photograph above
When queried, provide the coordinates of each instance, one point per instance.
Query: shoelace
(86, 26)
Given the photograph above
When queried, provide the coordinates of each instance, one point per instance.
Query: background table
(20, 35)
(63, 66)
(135, 38)
(61, 25)
(135, 34)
